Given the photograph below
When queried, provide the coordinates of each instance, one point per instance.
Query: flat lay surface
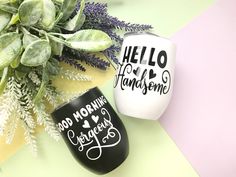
(152, 153)
(194, 137)
(204, 130)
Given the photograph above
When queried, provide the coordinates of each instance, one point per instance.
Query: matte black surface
(95, 134)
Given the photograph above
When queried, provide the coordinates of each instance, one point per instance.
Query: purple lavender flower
(114, 36)
(72, 62)
(95, 9)
(96, 13)
(97, 17)
(90, 59)
(112, 53)
(94, 61)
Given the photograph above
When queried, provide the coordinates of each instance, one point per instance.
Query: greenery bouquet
(35, 36)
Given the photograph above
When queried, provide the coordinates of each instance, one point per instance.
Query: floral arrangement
(35, 36)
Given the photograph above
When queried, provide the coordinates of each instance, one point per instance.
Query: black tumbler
(93, 132)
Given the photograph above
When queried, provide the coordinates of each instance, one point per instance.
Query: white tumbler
(144, 79)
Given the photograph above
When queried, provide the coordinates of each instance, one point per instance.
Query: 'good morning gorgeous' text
(91, 138)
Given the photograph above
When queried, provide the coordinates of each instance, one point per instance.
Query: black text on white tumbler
(144, 79)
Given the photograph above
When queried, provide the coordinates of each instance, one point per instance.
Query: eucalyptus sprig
(35, 35)
(43, 17)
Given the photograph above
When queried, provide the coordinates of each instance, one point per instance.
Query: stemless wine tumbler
(144, 80)
(93, 132)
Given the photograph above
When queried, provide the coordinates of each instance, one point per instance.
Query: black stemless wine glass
(93, 132)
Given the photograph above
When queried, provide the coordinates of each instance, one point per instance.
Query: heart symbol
(86, 124)
(136, 71)
(95, 118)
(152, 74)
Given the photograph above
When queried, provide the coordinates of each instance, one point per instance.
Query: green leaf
(58, 18)
(48, 14)
(8, 8)
(58, 2)
(16, 62)
(23, 69)
(30, 12)
(10, 46)
(77, 21)
(41, 90)
(7, 1)
(4, 79)
(19, 75)
(14, 19)
(36, 54)
(53, 67)
(57, 39)
(28, 38)
(68, 8)
(57, 47)
(89, 40)
(5, 18)
(40, 93)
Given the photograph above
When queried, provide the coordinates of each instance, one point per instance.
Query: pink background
(201, 117)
